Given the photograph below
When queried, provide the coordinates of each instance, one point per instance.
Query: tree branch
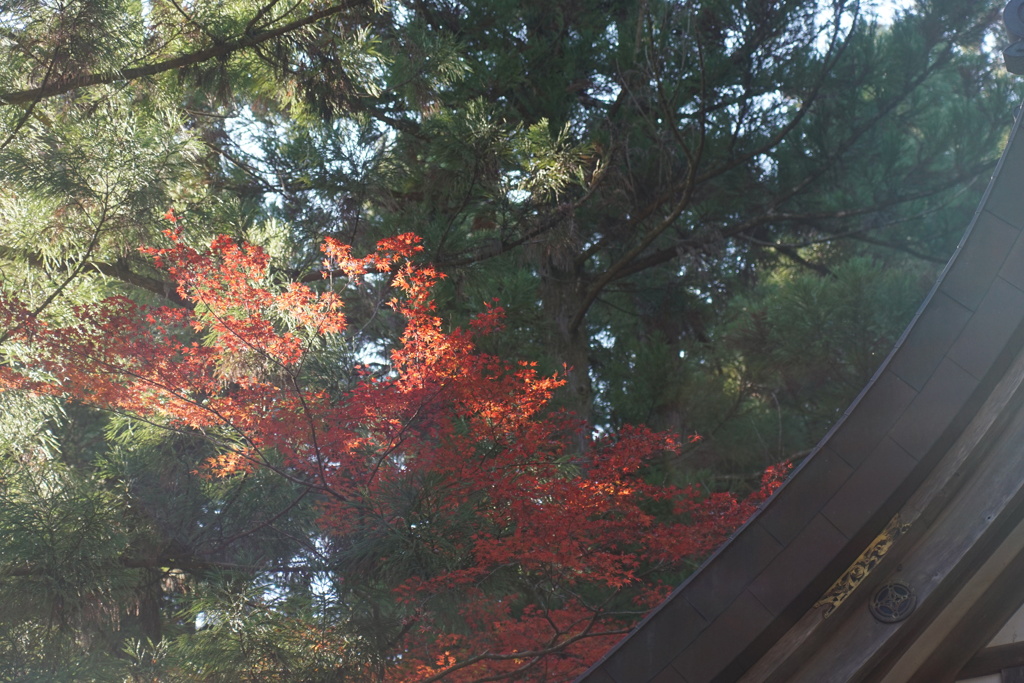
(216, 51)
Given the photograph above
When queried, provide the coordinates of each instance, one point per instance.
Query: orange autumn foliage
(530, 557)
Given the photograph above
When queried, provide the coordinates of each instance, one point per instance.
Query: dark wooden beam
(1014, 675)
(994, 660)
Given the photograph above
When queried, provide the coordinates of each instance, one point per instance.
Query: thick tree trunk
(561, 295)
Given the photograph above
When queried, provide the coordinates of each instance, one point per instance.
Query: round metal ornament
(893, 602)
(1013, 18)
(1013, 54)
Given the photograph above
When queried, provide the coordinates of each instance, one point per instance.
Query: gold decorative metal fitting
(862, 566)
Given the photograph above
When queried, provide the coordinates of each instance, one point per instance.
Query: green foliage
(801, 345)
(715, 215)
(62, 533)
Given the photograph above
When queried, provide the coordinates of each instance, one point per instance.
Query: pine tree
(710, 215)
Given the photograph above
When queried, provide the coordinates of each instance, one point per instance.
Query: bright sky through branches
(887, 9)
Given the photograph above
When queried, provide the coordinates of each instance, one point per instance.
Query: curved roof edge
(954, 351)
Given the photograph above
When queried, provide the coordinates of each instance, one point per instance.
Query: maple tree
(714, 215)
(622, 179)
(519, 556)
